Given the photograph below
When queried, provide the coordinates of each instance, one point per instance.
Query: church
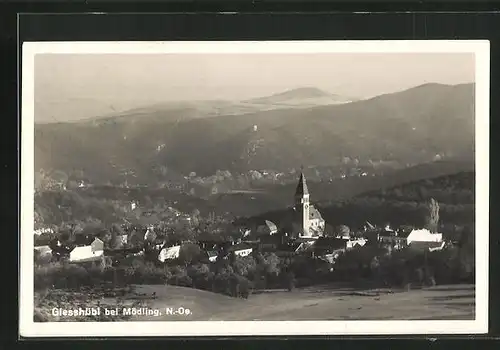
(304, 221)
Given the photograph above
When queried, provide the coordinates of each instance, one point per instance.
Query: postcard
(254, 188)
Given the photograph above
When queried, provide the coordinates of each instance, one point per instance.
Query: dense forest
(404, 205)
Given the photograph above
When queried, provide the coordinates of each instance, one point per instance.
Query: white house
(92, 252)
(123, 239)
(85, 254)
(97, 244)
(41, 231)
(424, 235)
(212, 255)
(351, 243)
(429, 246)
(241, 249)
(169, 253)
(149, 235)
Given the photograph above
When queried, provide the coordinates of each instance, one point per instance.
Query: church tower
(302, 204)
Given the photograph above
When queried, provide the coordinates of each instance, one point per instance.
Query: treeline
(108, 204)
(378, 211)
(235, 277)
(407, 205)
(453, 189)
(368, 266)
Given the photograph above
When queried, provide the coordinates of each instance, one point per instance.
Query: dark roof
(425, 245)
(302, 186)
(386, 233)
(288, 247)
(212, 253)
(403, 234)
(239, 246)
(210, 237)
(330, 242)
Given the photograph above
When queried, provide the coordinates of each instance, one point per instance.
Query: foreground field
(454, 302)
(323, 303)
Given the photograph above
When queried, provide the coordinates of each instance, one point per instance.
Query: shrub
(180, 277)
(57, 275)
(245, 266)
(201, 276)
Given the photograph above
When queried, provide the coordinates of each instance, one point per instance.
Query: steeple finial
(302, 185)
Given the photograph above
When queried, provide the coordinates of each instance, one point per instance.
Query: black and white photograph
(254, 188)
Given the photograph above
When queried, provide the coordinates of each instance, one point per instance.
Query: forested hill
(404, 204)
(409, 127)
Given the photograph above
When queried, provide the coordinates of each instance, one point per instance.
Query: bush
(57, 275)
(201, 276)
(180, 277)
(245, 266)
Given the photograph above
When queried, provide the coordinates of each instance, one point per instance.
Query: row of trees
(235, 277)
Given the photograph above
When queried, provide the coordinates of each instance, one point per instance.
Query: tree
(432, 215)
(189, 253)
(343, 231)
(115, 231)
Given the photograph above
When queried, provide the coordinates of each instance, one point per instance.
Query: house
(357, 242)
(429, 246)
(241, 249)
(396, 239)
(42, 231)
(150, 234)
(271, 242)
(209, 241)
(304, 245)
(43, 250)
(85, 254)
(88, 253)
(328, 245)
(169, 253)
(268, 228)
(97, 244)
(133, 205)
(424, 235)
(123, 239)
(212, 255)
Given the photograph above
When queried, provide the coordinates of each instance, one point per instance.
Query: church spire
(302, 185)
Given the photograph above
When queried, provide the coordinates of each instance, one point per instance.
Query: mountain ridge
(410, 126)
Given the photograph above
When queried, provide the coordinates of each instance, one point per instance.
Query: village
(301, 232)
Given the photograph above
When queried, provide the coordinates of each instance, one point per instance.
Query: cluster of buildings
(301, 232)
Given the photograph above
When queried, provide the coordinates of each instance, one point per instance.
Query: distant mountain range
(302, 96)
(276, 132)
(98, 111)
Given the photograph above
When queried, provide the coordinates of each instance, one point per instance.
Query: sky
(75, 86)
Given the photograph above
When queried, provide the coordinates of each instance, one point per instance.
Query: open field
(324, 303)
(453, 302)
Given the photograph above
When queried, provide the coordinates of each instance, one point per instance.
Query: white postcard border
(29, 328)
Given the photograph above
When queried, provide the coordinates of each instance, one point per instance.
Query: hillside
(406, 204)
(385, 201)
(410, 127)
(325, 194)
